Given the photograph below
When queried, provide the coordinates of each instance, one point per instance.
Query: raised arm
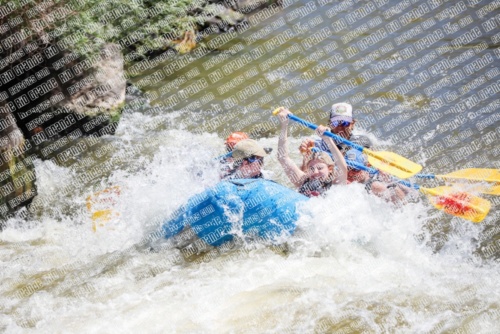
(295, 175)
(341, 176)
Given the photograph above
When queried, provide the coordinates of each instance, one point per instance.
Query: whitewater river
(358, 265)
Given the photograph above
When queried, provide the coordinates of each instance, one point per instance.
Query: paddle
(388, 162)
(469, 174)
(460, 204)
(224, 156)
(472, 175)
(99, 205)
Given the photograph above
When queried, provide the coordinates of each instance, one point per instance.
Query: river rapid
(357, 264)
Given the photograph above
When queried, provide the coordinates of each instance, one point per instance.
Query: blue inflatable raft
(242, 208)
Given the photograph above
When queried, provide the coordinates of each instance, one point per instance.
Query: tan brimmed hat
(247, 148)
(323, 156)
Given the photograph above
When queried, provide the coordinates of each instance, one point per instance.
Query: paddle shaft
(388, 162)
(224, 156)
(426, 176)
(459, 207)
(480, 178)
(326, 133)
(359, 166)
(481, 209)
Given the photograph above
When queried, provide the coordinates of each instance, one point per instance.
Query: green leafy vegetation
(84, 26)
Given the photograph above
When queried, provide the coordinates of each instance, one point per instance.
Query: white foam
(356, 258)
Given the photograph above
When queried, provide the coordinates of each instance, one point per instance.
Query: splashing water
(356, 263)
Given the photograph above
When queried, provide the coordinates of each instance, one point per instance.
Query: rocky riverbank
(64, 69)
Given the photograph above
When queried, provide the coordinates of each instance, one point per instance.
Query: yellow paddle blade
(392, 163)
(458, 203)
(100, 218)
(100, 206)
(492, 190)
(474, 174)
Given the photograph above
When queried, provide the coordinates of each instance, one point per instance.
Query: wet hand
(283, 116)
(384, 177)
(321, 129)
(306, 145)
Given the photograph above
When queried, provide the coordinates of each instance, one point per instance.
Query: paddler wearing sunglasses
(228, 165)
(247, 160)
(321, 171)
(342, 124)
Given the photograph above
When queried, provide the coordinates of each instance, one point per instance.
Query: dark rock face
(17, 174)
(105, 93)
(73, 98)
(245, 6)
(233, 12)
(89, 95)
(51, 97)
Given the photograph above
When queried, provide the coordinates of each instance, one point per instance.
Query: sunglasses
(254, 158)
(340, 123)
